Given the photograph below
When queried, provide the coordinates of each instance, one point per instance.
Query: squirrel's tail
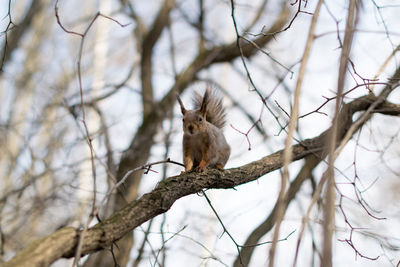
(215, 110)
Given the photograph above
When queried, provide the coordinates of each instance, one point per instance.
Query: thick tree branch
(249, 49)
(149, 40)
(63, 242)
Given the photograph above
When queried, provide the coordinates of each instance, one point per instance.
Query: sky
(245, 207)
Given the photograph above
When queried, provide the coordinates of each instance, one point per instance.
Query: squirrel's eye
(200, 119)
(183, 120)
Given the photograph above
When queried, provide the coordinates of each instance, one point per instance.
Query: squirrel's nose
(190, 128)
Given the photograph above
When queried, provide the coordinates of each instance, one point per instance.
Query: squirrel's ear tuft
(183, 110)
(204, 103)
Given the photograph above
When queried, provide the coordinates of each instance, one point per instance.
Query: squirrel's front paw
(200, 169)
(219, 166)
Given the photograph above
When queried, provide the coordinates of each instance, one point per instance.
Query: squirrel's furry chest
(197, 143)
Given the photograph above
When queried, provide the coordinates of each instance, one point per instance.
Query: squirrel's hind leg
(219, 166)
(188, 163)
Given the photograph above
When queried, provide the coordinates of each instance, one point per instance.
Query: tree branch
(149, 41)
(231, 50)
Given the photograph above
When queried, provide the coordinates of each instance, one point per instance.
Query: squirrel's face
(193, 122)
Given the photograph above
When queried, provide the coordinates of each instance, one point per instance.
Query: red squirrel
(204, 143)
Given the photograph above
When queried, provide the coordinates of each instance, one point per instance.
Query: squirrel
(204, 143)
